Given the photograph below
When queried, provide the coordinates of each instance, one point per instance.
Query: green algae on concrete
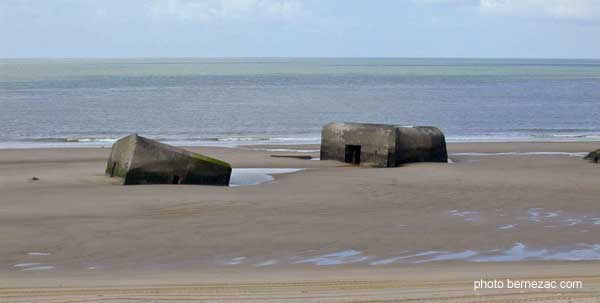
(139, 160)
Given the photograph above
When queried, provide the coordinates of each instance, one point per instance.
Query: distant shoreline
(106, 143)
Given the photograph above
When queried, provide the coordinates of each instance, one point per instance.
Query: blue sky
(296, 28)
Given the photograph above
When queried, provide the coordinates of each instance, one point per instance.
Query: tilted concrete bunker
(140, 160)
(381, 145)
(593, 156)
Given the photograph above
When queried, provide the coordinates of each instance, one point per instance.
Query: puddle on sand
(235, 261)
(556, 218)
(450, 256)
(266, 263)
(336, 258)
(256, 176)
(466, 215)
(38, 254)
(396, 259)
(507, 226)
(43, 267)
(518, 252)
(33, 266)
(26, 264)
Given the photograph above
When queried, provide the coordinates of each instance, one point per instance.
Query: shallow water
(44, 267)
(38, 254)
(256, 176)
(337, 258)
(518, 252)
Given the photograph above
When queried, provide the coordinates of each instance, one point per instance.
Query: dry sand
(331, 233)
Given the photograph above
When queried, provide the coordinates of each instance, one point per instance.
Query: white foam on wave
(570, 154)
(91, 140)
(288, 150)
(526, 138)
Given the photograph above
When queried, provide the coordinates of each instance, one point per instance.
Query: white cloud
(584, 10)
(207, 10)
(448, 2)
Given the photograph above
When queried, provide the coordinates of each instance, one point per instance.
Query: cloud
(584, 10)
(449, 2)
(207, 10)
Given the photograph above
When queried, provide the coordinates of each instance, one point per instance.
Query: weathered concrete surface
(382, 145)
(594, 156)
(139, 160)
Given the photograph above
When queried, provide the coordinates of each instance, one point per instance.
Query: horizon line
(296, 57)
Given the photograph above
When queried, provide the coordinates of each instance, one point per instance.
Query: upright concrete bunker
(381, 145)
(139, 160)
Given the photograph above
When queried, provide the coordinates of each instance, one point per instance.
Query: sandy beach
(328, 233)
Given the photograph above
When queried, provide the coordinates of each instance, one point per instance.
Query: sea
(240, 101)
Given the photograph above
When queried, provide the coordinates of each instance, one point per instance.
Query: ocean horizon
(240, 101)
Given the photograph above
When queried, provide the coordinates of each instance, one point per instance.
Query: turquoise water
(85, 102)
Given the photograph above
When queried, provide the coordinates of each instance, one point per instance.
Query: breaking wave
(70, 140)
(97, 141)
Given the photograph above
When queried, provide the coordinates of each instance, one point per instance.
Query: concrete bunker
(139, 160)
(593, 156)
(381, 145)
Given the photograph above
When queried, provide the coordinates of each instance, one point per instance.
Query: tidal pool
(255, 176)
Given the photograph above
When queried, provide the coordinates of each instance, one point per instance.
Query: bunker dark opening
(176, 179)
(112, 170)
(352, 154)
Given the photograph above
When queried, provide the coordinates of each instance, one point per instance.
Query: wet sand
(330, 232)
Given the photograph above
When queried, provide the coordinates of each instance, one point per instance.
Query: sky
(297, 28)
